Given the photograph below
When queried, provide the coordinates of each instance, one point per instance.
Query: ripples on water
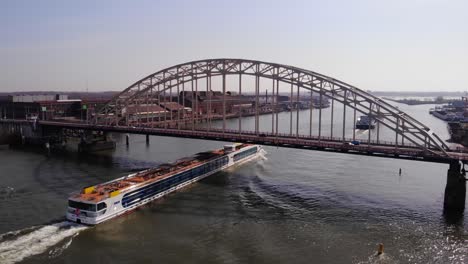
(293, 206)
(411, 236)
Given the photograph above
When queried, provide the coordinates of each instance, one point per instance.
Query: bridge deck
(372, 148)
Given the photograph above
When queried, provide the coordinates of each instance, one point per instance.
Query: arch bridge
(271, 104)
(284, 105)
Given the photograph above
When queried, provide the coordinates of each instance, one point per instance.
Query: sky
(103, 45)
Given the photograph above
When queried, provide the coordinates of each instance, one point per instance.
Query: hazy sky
(373, 44)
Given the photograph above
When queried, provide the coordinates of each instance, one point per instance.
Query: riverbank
(418, 102)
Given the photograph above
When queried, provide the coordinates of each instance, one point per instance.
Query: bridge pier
(455, 190)
(97, 141)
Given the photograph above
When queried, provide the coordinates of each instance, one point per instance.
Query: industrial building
(47, 107)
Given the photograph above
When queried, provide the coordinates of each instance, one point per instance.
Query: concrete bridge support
(455, 190)
(14, 134)
(92, 141)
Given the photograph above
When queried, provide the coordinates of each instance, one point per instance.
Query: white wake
(37, 241)
(262, 153)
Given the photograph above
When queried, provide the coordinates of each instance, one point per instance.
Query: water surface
(295, 206)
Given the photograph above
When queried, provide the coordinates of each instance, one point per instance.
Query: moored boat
(365, 122)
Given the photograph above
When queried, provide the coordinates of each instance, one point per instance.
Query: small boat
(365, 122)
(96, 204)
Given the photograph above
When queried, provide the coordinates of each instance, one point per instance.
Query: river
(293, 206)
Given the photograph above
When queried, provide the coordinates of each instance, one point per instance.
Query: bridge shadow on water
(63, 172)
(100, 159)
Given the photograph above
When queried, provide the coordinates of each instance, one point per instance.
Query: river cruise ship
(96, 204)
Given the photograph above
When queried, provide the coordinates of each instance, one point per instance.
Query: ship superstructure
(365, 122)
(101, 202)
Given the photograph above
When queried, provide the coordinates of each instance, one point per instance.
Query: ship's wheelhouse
(87, 209)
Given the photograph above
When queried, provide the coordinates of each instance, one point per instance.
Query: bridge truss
(252, 78)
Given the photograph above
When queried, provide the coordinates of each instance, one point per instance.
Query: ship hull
(119, 205)
(365, 127)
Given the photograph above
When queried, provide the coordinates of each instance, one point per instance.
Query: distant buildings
(27, 98)
(145, 112)
(47, 107)
(185, 105)
(212, 102)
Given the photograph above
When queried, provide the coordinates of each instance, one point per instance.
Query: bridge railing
(307, 137)
(285, 141)
(265, 137)
(188, 125)
(283, 135)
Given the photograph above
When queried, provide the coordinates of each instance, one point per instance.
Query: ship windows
(208, 167)
(146, 192)
(184, 176)
(101, 206)
(82, 206)
(197, 172)
(244, 154)
(163, 185)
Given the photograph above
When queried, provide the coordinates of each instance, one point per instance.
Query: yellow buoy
(381, 249)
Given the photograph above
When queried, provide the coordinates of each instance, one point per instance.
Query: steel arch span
(153, 89)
